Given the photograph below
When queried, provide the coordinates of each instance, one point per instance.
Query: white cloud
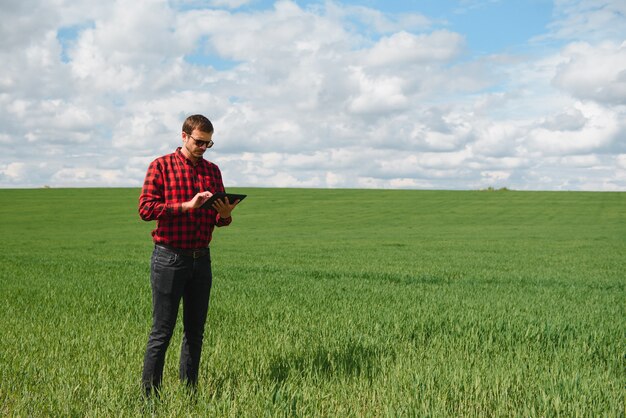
(129, 46)
(569, 120)
(498, 139)
(381, 94)
(378, 21)
(231, 4)
(24, 17)
(327, 95)
(406, 48)
(405, 183)
(14, 171)
(600, 130)
(492, 176)
(334, 180)
(88, 176)
(590, 19)
(594, 72)
(580, 161)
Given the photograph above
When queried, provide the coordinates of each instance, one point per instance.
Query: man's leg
(195, 308)
(167, 276)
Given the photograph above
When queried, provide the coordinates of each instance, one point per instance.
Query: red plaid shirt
(170, 181)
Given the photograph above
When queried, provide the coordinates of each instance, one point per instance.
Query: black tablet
(232, 198)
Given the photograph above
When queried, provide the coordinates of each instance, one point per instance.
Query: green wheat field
(339, 303)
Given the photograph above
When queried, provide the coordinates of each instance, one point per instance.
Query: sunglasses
(200, 143)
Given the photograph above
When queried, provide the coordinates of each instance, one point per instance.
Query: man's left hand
(224, 208)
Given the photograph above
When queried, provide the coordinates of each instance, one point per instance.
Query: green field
(325, 303)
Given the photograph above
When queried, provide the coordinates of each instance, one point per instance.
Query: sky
(413, 94)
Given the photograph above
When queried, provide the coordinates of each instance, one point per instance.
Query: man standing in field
(175, 187)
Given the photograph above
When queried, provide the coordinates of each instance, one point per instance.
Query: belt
(194, 252)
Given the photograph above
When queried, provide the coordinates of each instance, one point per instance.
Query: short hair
(199, 122)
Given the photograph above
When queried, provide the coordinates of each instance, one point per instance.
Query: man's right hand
(197, 201)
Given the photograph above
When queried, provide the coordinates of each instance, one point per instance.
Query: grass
(325, 303)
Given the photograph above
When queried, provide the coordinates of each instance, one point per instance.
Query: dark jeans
(175, 277)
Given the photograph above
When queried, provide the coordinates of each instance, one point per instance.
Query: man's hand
(197, 201)
(224, 208)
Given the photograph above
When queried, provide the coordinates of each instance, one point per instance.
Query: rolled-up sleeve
(223, 221)
(219, 221)
(152, 205)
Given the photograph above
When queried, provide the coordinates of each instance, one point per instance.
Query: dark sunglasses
(200, 143)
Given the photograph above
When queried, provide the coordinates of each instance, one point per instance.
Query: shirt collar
(179, 154)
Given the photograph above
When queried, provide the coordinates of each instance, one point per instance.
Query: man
(175, 187)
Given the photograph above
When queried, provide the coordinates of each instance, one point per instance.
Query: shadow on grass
(440, 278)
(353, 360)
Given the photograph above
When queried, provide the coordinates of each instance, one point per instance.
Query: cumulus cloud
(594, 72)
(375, 20)
(406, 48)
(14, 171)
(322, 95)
(589, 19)
(600, 131)
(231, 4)
(377, 95)
(569, 120)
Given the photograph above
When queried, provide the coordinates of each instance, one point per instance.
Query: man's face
(197, 143)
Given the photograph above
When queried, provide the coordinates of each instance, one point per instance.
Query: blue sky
(489, 26)
(426, 94)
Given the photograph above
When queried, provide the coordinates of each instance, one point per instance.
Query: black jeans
(175, 277)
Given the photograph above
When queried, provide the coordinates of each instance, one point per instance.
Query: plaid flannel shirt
(170, 181)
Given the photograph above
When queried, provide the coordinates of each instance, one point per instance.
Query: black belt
(195, 253)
